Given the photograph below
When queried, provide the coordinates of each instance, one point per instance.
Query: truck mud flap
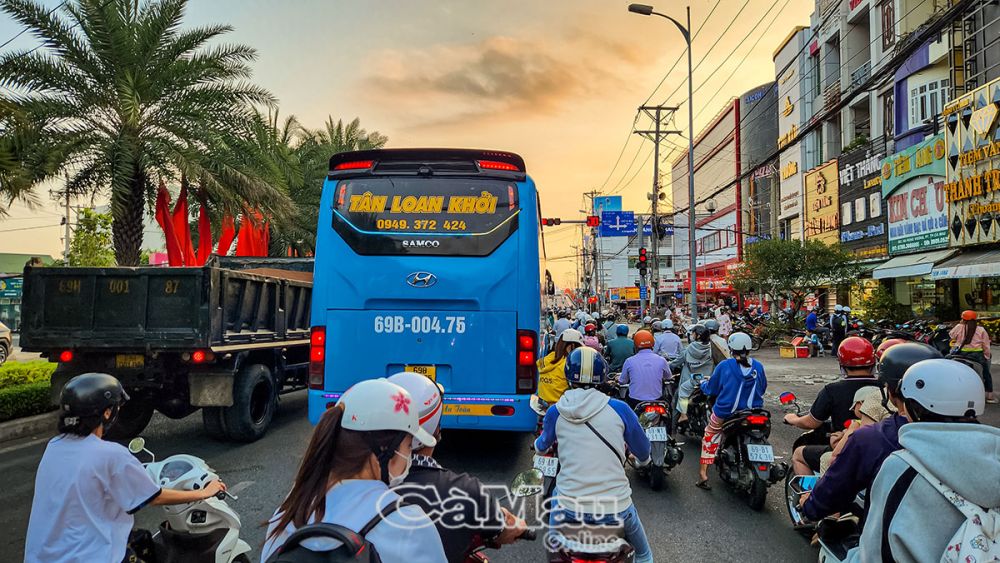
(211, 389)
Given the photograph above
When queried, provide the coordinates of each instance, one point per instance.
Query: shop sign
(787, 138)
(627, 293)
(11, 288)
(914, 197)
(822, 211)
(789, 170)
(862, 215)
(987, 270)
(972, 185)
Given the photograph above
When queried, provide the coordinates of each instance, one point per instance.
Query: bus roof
(428, 162)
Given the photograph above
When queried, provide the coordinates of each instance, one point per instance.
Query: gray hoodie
(965, 457)
(696, 358)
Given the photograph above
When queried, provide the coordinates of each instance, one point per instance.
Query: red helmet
(969, 315)
(643, 339)
(590, 328)
(885, 345)
(856, 352)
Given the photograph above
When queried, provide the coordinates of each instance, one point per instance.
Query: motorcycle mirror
(137, 445)
(527, 483)
(787, 398)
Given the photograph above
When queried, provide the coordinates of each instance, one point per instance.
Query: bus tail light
(497, 165)
(354, 165)
(502, 410)
(317, 356)
(527, 355)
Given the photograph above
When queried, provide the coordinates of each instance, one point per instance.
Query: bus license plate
(429, 372)
(125, 361)
(549, 466)
(656, 434)
(762, 453)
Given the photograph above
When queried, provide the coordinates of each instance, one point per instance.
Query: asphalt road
(683, 523)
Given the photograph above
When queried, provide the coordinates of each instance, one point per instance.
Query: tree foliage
(880, 303)
(790, 270)
(91, 243)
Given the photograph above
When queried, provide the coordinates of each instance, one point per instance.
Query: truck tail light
(66, 356)
(527, 355)
(317, 356)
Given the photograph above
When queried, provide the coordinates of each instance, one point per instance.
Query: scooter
(797, 485)
(204, 531)
(547, 463)
(746, 459)
(665, 452)
(837, 534)
(576, 543)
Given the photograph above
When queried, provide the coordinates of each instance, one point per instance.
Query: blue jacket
(855, 468)
(811, 321)
(734, 391)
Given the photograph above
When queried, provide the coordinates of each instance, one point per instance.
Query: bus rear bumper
(485, 412)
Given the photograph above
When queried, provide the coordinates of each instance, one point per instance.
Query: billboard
(862, 215)
(822, 214)
(607, 203)
(914, 198)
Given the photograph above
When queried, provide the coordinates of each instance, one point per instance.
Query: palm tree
(125, 96)
(22, 164)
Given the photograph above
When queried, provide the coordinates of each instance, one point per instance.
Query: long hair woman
(358, 450)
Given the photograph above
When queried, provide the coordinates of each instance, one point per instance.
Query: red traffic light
(642, 255)
(593, 221)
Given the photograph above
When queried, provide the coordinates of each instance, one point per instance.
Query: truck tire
(133, 417)
(212, 420)
(254, 401)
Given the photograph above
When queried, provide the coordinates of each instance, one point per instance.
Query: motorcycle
(698, 408)
(204, 531)
(746, 459)
(547, 463)
(665, 452)
(576, 543)
(797, 485)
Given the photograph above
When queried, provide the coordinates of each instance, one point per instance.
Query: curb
(38, 425)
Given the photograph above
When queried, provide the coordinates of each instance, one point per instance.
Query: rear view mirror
(787, 398)
(137, 445)
(527, 483)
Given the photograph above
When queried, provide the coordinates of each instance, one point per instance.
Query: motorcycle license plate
(761, 453)
(430, 372)
(656, 434)
(549, 466)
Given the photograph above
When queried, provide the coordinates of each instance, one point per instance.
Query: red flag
(174, 256)
(181, 226)
(226, 236)
(204, 230)
(244, 240)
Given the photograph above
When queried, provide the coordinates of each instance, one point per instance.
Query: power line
(23, 31)
(30, 228)
(681, 56)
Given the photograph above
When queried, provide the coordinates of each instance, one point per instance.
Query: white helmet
(944, 387)
(847, 309)
(647, 319)
(378, 404)
(668, 324)
(740, 342)
(427, 397)
(657, 325)
(571, 335)
(838, 308)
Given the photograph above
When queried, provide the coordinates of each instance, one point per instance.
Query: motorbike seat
(591, 539)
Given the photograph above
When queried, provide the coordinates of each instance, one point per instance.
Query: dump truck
(227, 338)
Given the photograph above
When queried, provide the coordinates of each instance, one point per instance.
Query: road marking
(25, 444)
(240, 486)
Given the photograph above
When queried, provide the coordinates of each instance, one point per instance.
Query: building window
(860, 209)
(888, 25)
(785, 229)
(814, 75)
(845, 214)
(888, 116)
(927, 100)
(875, 205)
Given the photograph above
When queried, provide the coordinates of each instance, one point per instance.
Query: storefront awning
(981, 264)
(919, 264)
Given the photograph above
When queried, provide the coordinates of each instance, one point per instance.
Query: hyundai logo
(421, 279)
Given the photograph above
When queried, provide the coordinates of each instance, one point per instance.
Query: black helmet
(699, 332)
(897, 359)
(712, 325)
(91, 394)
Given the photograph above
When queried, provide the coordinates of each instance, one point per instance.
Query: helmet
(643, 339)
(712, 325)
(590, 328)
(91, 394)
(969, 315)
(856, 352)
(647, 319)
(378, 404)
(885, 345)
(740, 342)
(897, 359)
(847, 309)
(699, 332)
(571, 335)
(597, 316)
(657, 326)
(838, 308)
(428, 400)
(621, 330)
(668, 324)
(585, 366)
(944, 387)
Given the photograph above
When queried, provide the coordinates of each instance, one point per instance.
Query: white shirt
(86, 491)
(407, 535)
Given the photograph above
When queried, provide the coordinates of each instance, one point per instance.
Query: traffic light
(551, 222)
(643, 261)
(593, 221)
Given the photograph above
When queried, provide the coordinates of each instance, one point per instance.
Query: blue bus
(427, 260)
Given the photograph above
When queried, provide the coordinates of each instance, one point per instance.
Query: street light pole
(645, 10)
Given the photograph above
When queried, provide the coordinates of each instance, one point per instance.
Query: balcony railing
(831, 96)
(861, 75)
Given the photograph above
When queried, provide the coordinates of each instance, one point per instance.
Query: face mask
(396, 480)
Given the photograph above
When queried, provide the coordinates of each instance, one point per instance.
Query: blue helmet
(585, 366)
(622, 330)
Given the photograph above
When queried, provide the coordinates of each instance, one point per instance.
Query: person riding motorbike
(360, 448)
(469, 514)
(562, 323)
(595, 434)
(620, 348)
(669, 344)
(835, 402)
(973, 341)
(591, 338)
(866, 449)
(645, 372)
(695, 359)
(87, 489)
(737, 383)
(551, 368)
(937, 497)
(838, 327)
(885, 345)
(720, 348)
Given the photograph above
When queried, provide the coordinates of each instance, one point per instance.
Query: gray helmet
(91, 394)
(712, 325)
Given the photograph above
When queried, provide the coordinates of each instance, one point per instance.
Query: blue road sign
(617, 224)
(643, 292)
(607, 203)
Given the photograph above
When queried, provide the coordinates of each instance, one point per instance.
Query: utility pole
(596, 264)
(66, 220)
(658, 114)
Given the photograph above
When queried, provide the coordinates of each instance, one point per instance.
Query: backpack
(975, 540)
(355, 548)
(838, 321)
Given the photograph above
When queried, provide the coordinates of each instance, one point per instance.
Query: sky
(556, 81)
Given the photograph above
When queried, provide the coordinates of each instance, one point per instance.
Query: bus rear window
(427, 216)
